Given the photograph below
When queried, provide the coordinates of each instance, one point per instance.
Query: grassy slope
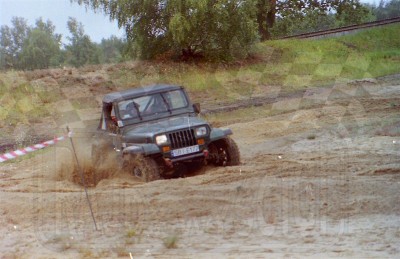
(288, 64)
(370, 53)
(294, 64)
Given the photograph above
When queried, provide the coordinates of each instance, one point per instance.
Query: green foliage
(297, 24)
(386, 9)
(82, 50)
(352, 12)
(11, 42)
(41, 48)
(189, 29)
(294, 17)
(6, 52)
(218, 30)
(113, 50)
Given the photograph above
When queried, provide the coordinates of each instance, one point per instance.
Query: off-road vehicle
(157, 129)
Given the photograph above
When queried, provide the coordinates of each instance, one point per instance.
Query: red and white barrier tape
(24, 151)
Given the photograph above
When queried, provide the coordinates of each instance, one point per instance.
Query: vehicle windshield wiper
(166, 103)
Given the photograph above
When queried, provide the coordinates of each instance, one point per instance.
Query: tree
(266, 11)
(215, 29)
(81, 50)
(307, 15)
(349, 12)
(11, 42)
(112, 50)
(297, 24)
(41, 48)
(6, 52)
(386, 9)
(191, 28)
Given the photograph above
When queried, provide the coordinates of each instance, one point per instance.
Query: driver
(131, 111)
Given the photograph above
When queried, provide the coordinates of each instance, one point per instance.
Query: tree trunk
(271, 13)
(266, 18)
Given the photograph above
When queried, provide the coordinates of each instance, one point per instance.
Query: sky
(96, 25)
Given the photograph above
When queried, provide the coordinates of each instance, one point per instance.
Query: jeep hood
(144, 132)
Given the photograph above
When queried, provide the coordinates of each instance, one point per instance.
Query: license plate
(185, 151)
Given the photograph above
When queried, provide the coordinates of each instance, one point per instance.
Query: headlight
(162, 139)
(202, 131)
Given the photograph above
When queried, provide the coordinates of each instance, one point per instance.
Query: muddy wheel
(224, 152)
(145, 168)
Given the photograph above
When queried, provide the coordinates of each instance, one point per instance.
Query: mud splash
(89, 174)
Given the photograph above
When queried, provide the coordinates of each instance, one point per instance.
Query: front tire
(224, 152)
(144, 168)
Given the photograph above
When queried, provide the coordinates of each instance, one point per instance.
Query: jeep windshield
(152, 104)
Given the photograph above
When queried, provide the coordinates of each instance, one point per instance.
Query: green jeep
(156, 129)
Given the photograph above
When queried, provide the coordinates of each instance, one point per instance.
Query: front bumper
(170, 161)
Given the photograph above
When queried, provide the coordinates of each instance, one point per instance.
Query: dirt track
(316, 181)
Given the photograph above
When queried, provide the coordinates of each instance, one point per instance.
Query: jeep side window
(108, 120)
(112, 125)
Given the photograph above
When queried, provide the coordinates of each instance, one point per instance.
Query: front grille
(183, 138)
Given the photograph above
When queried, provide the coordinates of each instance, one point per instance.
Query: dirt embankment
(319, 178)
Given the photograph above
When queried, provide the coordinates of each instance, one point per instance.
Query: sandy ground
(322, 180)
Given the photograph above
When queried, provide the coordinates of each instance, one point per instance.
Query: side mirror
(196, 108)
